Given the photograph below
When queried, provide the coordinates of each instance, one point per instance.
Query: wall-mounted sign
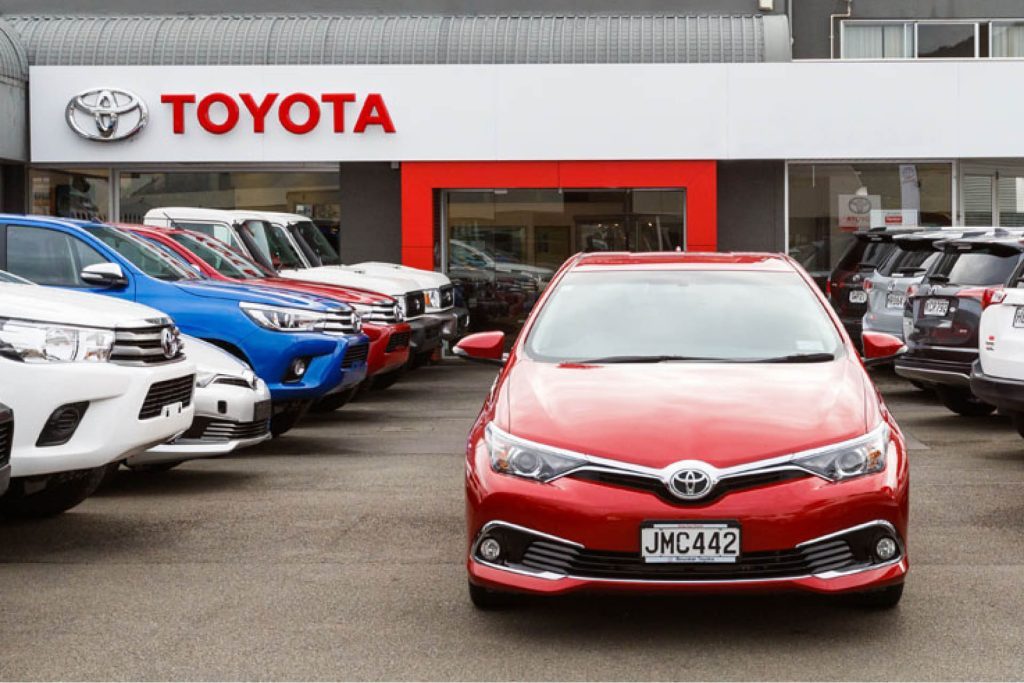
(855, 211)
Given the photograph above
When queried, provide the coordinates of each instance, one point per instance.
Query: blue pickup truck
(304, 347)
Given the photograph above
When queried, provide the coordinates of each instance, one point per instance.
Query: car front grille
(562, 558)
(167, 393)
(447, 296)
(655, 486)
(397, 341)
(146, 345)
(6, 434)
(340, 323)
(221, 431)
(415, 304)
(356, 353)
(382, 313)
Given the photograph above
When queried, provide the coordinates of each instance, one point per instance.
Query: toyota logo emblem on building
(691, 483)
(106, 114)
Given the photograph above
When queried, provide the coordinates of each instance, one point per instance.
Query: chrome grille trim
(143, 345)
(340, 322)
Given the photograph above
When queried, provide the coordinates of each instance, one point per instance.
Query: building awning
(382, 39)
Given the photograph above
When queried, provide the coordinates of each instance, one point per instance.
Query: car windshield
(143, 256)
(974, 268)
(320, 245)
(904, 263)
(219, 257)
(862, 251)
(739, 316)
(274, 245)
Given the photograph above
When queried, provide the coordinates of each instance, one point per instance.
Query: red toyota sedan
(684, 422)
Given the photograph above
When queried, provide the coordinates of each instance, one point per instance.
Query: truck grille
(146, 345)
(386, 313)
(356, 353)
(398, 340)
(221, 431)
(447, 296)
(167, 393)
(6, 434)
(340, 322)
(415, 304)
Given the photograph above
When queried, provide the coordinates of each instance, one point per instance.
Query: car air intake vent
(398, 340)
(147, 345)
(355, 354)
(220, 431)
(6, 434)
(340, 323)
(167, 393)
(447, 296)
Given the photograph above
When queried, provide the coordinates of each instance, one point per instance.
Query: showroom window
(81, 194)
(828, 202)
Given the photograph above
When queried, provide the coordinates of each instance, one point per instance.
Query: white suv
(997, 377)
(90, 380)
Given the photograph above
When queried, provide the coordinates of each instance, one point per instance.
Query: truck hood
(341, 275)
(425, 279)
(658, 414)
(66, 307)
(352, 295)
(254, 294)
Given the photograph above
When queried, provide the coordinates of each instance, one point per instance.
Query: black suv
(845, 286)
(6, 443)
(942, 314)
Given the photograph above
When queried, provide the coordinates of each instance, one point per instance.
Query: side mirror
(104, 275)
(881, 348)
(482, 347)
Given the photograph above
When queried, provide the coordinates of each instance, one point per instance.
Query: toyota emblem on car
(691, 483)
(168, 343)
(106, 114)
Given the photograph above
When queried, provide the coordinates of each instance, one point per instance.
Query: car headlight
(865, 455)
(522, 458)
(433, 297)
(284, 319)
(34, 342)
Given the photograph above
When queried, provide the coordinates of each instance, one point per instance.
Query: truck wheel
(62, 492)
(885, 598)
(963, 402)
(486, 599)
(381, 382)
(331, 403)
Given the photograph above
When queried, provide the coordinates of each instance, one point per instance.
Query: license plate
(1018, 317)
(936, 307)
(261, 411)
(858, 296)
(895, 300)
(673, 542)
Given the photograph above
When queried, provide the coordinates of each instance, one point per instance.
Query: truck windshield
(274, 245)
(686, 315)
(220, 258)
(318, 244)
(143, 256)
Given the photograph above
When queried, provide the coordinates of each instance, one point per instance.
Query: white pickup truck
(91, 380)
(997, 377)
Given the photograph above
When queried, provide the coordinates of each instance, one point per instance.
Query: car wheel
(963, 402)
(486, 599)
(283, 421)
(331, 403)
(381, 382)
(154, 467)
(885, 598)
(62, 492)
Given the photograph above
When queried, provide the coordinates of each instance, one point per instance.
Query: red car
(684, 422)
(389, 338)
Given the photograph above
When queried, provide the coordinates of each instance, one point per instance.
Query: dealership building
(509, 135)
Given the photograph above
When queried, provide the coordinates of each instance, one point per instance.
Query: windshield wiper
(647, 359)
(798, 358)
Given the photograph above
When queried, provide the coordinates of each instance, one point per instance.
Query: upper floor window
(1007, 38)
(926, 39)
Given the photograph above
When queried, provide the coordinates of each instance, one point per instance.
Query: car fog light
(298, 367)
(885, 549)
(490, 549)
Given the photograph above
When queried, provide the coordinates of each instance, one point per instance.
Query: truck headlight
(34, 342)
(522, 458)
(855, 458)
(433, 297)
(282, 319)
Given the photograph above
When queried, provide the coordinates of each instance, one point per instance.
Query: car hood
(658, 414)
(340, 275)
(352, 295)
(209, 358)
(62, 306)
(425, 279)
(252, 293)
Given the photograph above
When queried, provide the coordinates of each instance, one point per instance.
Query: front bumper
(271, 353)
(110, 428)
(934, 371)
(426, 334)
(1005, 394)
(454, 322)
(389, 347)
(803, 534)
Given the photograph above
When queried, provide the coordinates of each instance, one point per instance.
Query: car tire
(284, 421)
(331, 403)
(381, 382)
(963, 402)
(884, 598)
(62, 492)
(487, 599)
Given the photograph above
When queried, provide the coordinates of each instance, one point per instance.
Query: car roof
(683, 260)
(1012, 239)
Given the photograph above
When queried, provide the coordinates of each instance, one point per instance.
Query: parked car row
(150, 345)
(954, 296)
